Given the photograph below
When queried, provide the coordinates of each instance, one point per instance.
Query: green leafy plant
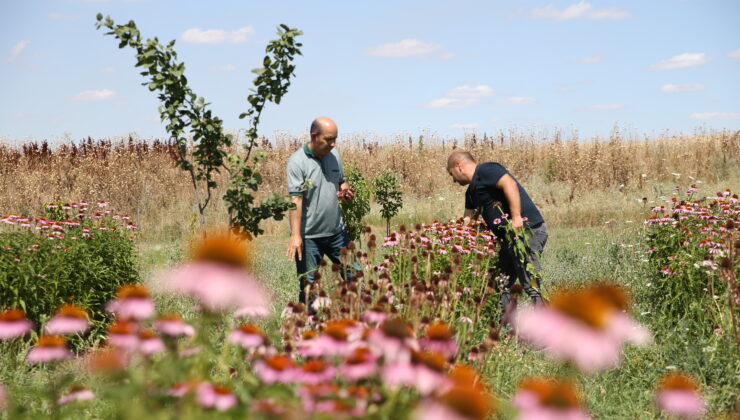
(357, 208)
(388, 194)
(271, 84)
(188, 114)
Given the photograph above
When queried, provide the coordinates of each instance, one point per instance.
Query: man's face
(457, 175)
(324, 141)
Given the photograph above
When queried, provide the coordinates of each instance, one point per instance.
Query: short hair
(459, 156)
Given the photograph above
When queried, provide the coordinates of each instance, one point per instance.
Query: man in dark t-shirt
(497, 196)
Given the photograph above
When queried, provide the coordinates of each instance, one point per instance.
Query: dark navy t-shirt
(483, 194)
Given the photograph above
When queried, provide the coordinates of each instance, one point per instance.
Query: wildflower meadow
(148, 278)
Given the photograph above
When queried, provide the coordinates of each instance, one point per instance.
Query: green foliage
(271, 84)
(38, 274)
(357, 208)
(388, 194)
(185, 112)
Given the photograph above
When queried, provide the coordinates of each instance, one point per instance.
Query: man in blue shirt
(497, 196)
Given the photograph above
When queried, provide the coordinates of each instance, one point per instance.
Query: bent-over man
(497, 196)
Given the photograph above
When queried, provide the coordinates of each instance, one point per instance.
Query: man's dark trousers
(314, 250)
(513, 269)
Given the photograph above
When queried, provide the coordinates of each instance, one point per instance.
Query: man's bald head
(459, 156)
(322, 124)
(323, 136)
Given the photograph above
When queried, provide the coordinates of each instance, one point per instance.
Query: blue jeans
(314, 250)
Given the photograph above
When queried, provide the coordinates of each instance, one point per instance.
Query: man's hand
(517, 222)
(295, 246)
(345, 193)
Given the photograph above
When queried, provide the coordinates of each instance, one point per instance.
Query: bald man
(497, 196)
(316, 184)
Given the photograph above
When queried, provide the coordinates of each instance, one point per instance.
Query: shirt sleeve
(295, 179)
(491, 173)
(468, 201)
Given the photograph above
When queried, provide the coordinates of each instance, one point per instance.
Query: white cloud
(95, 95)
(18, 48)
(465, 126)
(228, 67)
(606, 107)
(715, 116)
(409, 48)
(518, 100)
(109, 69)
(462, 97)
(681, 61)
(582, 10)
(590, 59)
(465, 91)
(671, 88)
(734, 54)
(217, 36)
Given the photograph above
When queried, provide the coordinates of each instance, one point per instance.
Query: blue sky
(383, 67)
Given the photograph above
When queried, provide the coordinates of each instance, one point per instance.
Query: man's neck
(313, 150)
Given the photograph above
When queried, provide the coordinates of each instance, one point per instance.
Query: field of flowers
(640, 323)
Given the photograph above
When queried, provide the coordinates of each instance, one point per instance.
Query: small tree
(354, 210)
(388, 194)
(187, 113)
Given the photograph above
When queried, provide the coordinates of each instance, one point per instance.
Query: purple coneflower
(248, 336)
(276, 368)
(76, 393)
(69, 319)
(678, 395)
(215, 396)
(314, 372)
(13, 324)
(361, 364)
(149, 343)
(133, 302)
(439, 337)
(548, 399)
(588, 327)
(218, 277)
(49, 348)
(466, 399)
(173, 326)
(122, 334)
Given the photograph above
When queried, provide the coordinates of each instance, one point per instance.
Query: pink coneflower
(334, 339)
(122, 334)
(248, 336)
(149, 343)
(466, 399)
(678, 395)
(361, 364)
(314, 372)
(393, 340)
(13, 324)
(218, 277)
(430, 372)
(439, 338)
(173, 326)
(76, 393)
(181, 389)
(215, 396)
(49, 348)
(588, 327)
(69, 319)
(548, 399)
(375, 316)
(274, 369)
(133, 302)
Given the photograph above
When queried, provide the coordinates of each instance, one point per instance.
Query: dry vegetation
(575, 182)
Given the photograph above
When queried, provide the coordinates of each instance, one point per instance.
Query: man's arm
(511, 191)
(296, 241)
(469, 213)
